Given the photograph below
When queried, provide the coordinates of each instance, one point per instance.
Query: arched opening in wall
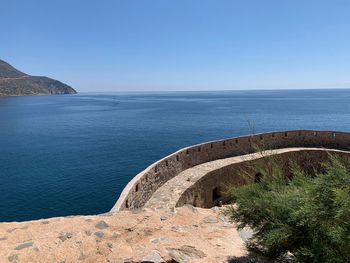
(257, 178)
(216, 196)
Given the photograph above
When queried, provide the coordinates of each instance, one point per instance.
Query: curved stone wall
(140, 189)
(210, 187)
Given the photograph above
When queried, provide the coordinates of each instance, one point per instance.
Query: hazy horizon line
(212, 90)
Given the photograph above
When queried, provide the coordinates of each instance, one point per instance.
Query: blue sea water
(72, 155)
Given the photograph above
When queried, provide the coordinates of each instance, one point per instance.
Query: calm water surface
(70, 155)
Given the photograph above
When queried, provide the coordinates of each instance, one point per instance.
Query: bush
(307, 216)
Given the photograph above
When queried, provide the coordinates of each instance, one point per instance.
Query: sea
(74, 154)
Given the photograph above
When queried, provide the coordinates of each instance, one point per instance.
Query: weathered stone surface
(153, 257)
(124, 240)
(185, 254)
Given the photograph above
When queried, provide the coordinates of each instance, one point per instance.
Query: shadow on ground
(244, 259)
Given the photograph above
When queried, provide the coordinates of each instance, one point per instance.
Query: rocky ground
(186, 234)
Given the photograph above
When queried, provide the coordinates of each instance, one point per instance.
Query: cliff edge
(16, 83)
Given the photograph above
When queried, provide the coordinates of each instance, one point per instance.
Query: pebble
(99, 234)
(101, 225)
(64, 236)
(157, 240)
(24, 245)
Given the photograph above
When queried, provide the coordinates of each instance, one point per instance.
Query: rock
(99, 234)
(210, 219)
(228, 225)
(215, 209)
(3, 238)
(153, 257)
(64, 236)
(246, 233)
(101, 225)
(157, 240)
(223, 218)
(24, 245)
(185, 254)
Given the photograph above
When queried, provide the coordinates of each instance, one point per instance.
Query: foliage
(307, 216)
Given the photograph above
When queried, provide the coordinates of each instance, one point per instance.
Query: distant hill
(16, 83)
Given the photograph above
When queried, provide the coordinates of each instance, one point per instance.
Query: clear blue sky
(181, 44)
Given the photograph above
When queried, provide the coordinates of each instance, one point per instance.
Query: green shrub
(307, 216)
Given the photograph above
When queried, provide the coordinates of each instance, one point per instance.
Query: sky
(164, 45)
